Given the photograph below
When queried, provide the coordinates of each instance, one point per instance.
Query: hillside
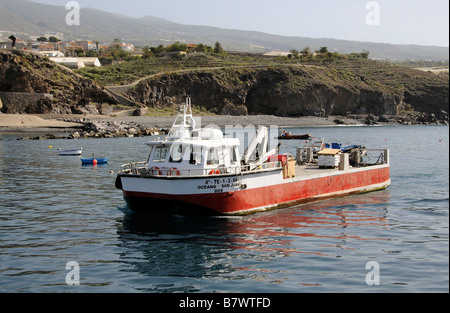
(29, 17)
(240, 84)
(31, 83)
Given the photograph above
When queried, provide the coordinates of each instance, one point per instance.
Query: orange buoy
(94, 162)
(155, 171)
(173, 170)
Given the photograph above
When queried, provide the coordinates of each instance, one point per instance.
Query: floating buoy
(94, 162)
(50, 147)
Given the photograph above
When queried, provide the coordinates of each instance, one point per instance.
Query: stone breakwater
(102, 129)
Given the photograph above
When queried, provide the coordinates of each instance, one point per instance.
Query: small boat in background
(93, 161)
(70, 152)
(292, 137)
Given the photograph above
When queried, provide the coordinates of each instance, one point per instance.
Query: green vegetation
(421, 63)
(354, 70)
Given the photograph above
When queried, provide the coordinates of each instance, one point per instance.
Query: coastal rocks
(112, 129)
(102, 129)
(410, 118)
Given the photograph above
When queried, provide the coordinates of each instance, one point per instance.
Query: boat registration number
(219, 184)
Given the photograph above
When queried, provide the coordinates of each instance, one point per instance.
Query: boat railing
(133, 168)
(142, 169)
(262, 166)
(375, 157)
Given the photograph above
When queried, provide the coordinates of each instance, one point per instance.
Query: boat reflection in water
(230, 248)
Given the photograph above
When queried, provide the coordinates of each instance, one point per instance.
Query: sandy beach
(26, 123)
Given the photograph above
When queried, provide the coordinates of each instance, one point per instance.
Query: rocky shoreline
(99, 126)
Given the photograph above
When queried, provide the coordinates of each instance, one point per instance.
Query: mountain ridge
(30, 17)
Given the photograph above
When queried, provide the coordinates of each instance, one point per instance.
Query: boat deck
(313, 170)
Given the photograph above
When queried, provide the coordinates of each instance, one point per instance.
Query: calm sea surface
(54, 211)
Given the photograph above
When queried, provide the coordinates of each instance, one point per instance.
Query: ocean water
(55, 211)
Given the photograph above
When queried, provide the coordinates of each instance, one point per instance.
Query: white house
(52, 54)
(74, 63)
(92, 62)
(77, 63)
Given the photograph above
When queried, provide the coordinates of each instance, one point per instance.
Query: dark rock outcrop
(25, 75)
(297, 91)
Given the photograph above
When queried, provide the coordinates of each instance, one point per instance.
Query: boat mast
(184, 122)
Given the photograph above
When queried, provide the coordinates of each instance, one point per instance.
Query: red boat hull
(273, 196)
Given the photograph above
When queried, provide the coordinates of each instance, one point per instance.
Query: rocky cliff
(303, 90)
(24, 75)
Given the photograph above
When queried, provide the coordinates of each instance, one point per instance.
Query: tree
(323, 50)
(79, 52)
(91, 54)
(218, 48)
(177, 46)
(116, 51)
(306, 52)
(147, 52)
(42, 39)
(53, 39)
(365, 54)
(158, 50)
(200, 48)
(295, 54)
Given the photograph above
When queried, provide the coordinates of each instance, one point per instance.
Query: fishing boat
(70, 152)
(87, 161)
(294, 137)
(284, 135)
(201, 169)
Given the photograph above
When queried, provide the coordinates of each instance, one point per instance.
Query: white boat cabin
(192, 151)
(196, 156)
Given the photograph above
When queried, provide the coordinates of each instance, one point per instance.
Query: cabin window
(176, 154)
(150, 153)
(160, 154)
(195, 157)
(235, 155)
(213, 157)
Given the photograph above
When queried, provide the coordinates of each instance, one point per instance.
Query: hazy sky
(424, 22)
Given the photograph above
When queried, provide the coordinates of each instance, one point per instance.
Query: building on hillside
(91, 62)
(52, 54)
(73, 63)
(277, 54)
(77, 63)
(87, 45)
(43, 46)
(69, 48)
(192, 47)
(128, 47)
(20, 45)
